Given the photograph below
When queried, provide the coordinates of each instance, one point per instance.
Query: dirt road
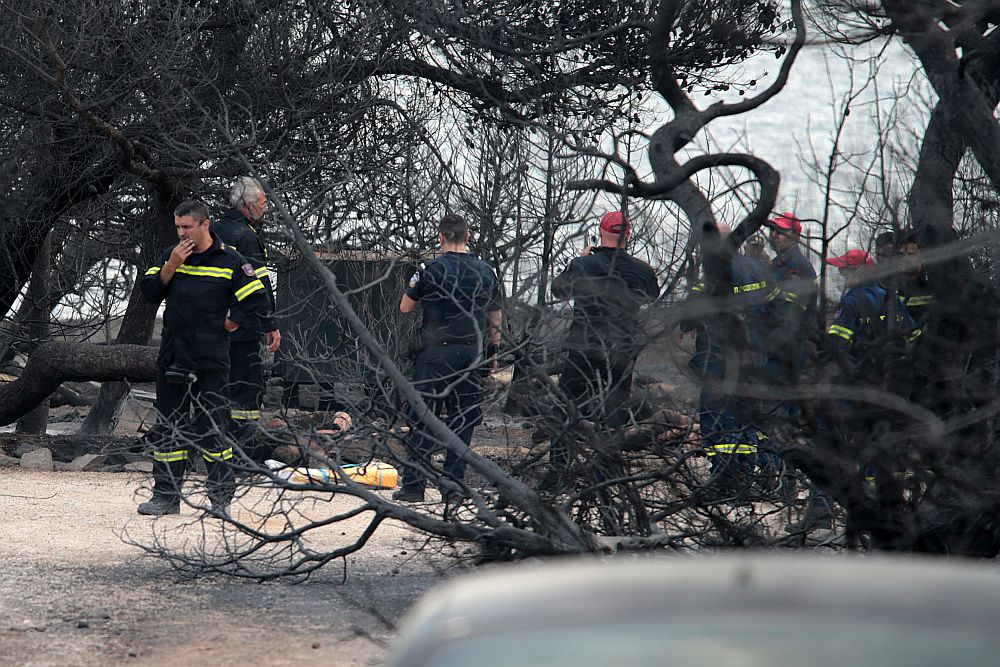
(73, 593)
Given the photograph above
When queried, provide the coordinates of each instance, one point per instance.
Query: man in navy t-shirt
(460, 336)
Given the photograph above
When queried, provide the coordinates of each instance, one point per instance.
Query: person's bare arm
(406, 304)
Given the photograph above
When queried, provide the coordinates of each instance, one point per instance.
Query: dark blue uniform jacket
(237, 231)
(608, 287)
(198, 298)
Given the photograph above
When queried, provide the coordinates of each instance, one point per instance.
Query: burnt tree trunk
(25, 226)
(140, 316)
(56, 362)
(38, 327)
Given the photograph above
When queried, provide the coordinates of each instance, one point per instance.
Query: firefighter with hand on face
(237, 229)
(460, 338)
(199, 278)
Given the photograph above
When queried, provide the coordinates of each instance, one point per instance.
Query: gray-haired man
(237, 229)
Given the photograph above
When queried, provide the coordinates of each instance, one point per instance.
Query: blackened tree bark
(37, 329)
(140, 316)
(55, 362)
(31, 214)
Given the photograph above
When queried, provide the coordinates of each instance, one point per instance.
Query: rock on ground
(37, 459)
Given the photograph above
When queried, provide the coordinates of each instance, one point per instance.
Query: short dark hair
(884, 239)
(910, 236)
(454, 228)
(192, 209)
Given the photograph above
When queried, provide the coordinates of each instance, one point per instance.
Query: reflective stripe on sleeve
(244, 414)
(224, 455)
(730, 448)
(152, 270)
(262, 272)
(249, 289)
(749, 287)
(922, 300)
(843, 332)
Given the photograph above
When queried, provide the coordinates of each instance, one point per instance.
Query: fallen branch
(53, 363)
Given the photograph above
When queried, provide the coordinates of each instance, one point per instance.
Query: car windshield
(725, 642)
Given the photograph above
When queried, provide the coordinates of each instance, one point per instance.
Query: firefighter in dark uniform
(869, 330)
(794, 321)
(236, 228)
(795, 307)
(608, 287)
(915, 286)
(869, 318)
(734, 321)
(460, 338)
(885, 247)
(198, 278)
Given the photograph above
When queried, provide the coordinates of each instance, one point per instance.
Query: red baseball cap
(788, 221)
(614, 222)
(852, 259)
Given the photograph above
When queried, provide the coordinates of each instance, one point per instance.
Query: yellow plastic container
(375, 474)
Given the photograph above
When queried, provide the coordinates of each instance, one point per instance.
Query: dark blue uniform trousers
(449, 377)
(246, 391)
(192, 422)
(598, 389)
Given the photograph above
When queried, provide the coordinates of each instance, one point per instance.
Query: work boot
(159, 506)
(220, 509)
(167, 480)
(405, 495)
(220, 485)
(817, 517)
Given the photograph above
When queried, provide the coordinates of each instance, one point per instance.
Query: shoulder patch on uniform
(247, 269)
(414, 279)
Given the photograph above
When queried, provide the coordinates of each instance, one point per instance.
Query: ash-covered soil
(73, 593)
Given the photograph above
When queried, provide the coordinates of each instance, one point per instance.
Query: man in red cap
(795, 322)
(868, 325)
(608, 287)
(734, 307)
(795, 275)
(795, 308)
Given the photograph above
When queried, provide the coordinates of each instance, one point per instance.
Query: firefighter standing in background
(734, 319)
(795, 308)
(460, 335)
(866, 340)
(754, 248)
(198, 278)
(236, 228)
(885, 247)
(915, 286)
